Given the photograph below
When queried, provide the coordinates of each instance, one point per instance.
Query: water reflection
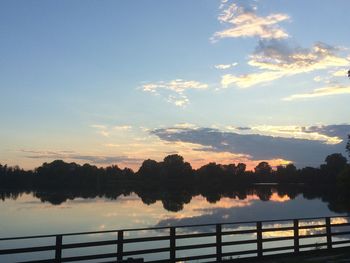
(72, 211)
(174, 199)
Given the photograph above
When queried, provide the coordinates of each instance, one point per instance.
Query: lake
(25, 214)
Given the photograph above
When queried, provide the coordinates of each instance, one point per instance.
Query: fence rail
(322, 225)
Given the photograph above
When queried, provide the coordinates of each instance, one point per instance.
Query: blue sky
(93, 81)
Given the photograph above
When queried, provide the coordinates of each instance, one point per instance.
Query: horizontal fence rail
(296, 231)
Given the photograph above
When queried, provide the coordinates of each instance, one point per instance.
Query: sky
(117, 82)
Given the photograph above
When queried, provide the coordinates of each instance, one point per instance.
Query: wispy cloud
(185, 125)
(276, 59)
(70, 155)
(242, 21)
(225, 66)
(107, 131)
(340, 73)
(320, 92)
(249, 80)
(122, 127)
(101, 129)
(174, 90)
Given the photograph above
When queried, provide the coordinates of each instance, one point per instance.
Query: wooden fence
(295, 229)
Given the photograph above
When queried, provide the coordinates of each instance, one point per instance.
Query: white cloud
(101, 129)
(178, 100)
(225, 66)
(277, 59)
(248, 80)
(244, 22)
(340, 73)
(122, 128)
(297, 132)
(185, 125)
(318, 79)
(320, 92)
(106, 131)
(279, 56)
(174, 90)
(316, 133)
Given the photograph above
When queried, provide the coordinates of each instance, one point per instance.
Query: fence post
(329, 233)
(296, 235)
(218, 243)
(120, 245)
(172, 244)
(58, 250)
(259, 239)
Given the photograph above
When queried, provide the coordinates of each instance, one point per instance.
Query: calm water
(29, 216)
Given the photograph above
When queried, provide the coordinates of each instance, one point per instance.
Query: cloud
(101, 129)
(318, 79)
(303, 152)
(340, 131)
(122, 128)
(276, 59)
(248, 80)
(106, 131)
(242, 21)
(185, 125)
(340, 73)
(174, 90)
(320, 92)
(280, 56)
(97, 159)
(298, 132)
(178, 100)
(225, 66)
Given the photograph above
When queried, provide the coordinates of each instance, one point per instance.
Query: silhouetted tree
(286, 172)
(335, 163)
(150, 168)
(348, 146)
(240, 169)
(263, 168)
(211, 170)
(174, 166)
(113, 170)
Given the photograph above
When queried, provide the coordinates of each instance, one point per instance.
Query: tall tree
(335, 163)
(348, 145)
(263, 168)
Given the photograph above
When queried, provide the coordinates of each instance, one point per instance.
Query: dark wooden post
(120, 245)
(296, 235)
(218, 243)
(172, 244)
(58, 251)
(259, 239)
(329, 233)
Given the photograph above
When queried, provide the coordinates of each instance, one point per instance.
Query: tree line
(175, 182)
(174, 171)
